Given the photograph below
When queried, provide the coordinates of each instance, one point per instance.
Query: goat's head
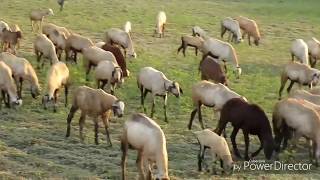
(118, 108)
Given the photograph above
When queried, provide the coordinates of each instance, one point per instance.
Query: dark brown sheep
(211, 70)
(119, 57)
(10, 39)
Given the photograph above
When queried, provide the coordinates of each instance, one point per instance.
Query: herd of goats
(293, 117)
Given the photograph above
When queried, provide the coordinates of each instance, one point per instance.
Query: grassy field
(32, 140)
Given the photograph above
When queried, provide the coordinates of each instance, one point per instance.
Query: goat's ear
(181, 91)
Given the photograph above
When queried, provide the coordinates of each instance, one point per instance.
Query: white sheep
(249, 27)
(193, 41)
(299, 49)
(58, 76)
(155, 82)
(300, 116)
(298, 73)
(49, 28)
(43, 46)
(108, 73)
(228, 24)
(120, 37)
(146, 136)
(160, 24)
(76, 43)
(127, 27)
(198, 31)
(218, 146)
(7, 87)
(223, 51)
(211, 95)
(22, 70)
(94, 103)
(314, 51)
(38, 15)
(93, 55)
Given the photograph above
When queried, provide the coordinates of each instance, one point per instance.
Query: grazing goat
(121, 38)
(211, 95)
(160, 24)
(223, 51)
(314, 51)
(218, 149)
(10, 39)
(299, 116)
(211, 70)
(228, 24)
(193, 41)
(94, 103)
(155, 82)
(119, 57)
(22, 70)
(249, 27)
(7, 87)
(298, 73)
(146, 136)
(252, 120)
(299, 49)
(76, 43)
(43, 46)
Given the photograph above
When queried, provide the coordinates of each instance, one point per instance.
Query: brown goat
(211, 70)
(10, 39)
(119, 57)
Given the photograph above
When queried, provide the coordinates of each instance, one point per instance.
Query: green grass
(32, 142)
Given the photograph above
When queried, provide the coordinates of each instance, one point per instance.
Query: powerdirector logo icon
(262, 165)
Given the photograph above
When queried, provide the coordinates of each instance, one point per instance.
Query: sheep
(224, 51)
(298, 115)
(160, 24)
(127, 27)
(119, 57)
(314, 51)
(94, 103)
(298, 73)
(61, 4)
(10, 39)
(305, 95)
(193, 41)
(38, 15)
(58, 76)
(93, 55)
(249, 27)
(76, 43)
(108, 73)
(211, 70)
(211, 95)
(146, 136)
(121, 38)
(44, 47)
(155, 82)
(218, 149)
(228, 24)
(197, 31)
(7, 87)
(49, 28)
(22, 70)
(299, 49)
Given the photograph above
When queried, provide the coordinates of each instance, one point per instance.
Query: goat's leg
(193, 113)
(200, 158)
(55, 99)
(139, 163)
(88, 71)
(69, 119)
(124, 149)
(153, 104)
(66, 91)
(144, 93)
(105, 120)
(196, 51)
(96, 130)
(20, 87)
(292, 56)
(290, 86)
(249, 40)
(260, 148)
(200, 115)
(233, 140)
(81, 125)
(165, 108)
(223, 31)
(180, 47)
(247, 142)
